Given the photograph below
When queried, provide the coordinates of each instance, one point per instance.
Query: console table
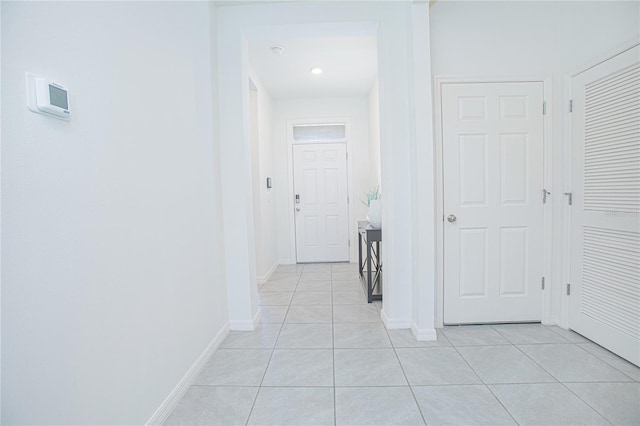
(370, 266)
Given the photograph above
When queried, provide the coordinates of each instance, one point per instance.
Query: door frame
(547, 183)
(290, 186)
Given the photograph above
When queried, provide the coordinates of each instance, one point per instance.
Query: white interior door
(321, 209)
(493, 204)
(605, 259)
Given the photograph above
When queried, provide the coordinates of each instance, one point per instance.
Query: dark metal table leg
(369, 283)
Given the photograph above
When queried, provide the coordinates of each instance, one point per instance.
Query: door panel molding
(546, 80)
(321, 211)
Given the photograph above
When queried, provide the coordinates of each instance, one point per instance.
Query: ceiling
(349, 63)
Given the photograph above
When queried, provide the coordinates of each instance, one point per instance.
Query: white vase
(374, 215)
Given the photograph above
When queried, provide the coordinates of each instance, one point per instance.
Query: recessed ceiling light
(277, 50)
(316, 71)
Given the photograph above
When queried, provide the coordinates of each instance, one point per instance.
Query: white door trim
(439, 178)
(290, 189)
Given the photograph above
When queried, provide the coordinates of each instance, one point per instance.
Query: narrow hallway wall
(112, 257)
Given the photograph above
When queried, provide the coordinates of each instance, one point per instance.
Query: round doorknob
(297, 209)
(452, 218)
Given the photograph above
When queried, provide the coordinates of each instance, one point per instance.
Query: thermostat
(47, 97)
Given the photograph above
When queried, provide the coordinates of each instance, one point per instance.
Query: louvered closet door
(605, 267)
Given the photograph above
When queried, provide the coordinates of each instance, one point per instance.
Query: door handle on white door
(452, 218)
(297, 209)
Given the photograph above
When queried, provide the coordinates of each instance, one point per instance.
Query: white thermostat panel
(47, 97)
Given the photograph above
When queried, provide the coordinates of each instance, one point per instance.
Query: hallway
(323, 356)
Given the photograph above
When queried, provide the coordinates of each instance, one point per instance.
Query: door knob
(452, 218)
(297, 209)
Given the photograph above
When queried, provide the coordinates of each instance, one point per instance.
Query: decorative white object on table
(374, 214)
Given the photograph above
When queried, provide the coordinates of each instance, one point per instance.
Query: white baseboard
(394, 323)
(265, 278)
(167, 406)
(286, 262)
(423, 334)
(245, 325)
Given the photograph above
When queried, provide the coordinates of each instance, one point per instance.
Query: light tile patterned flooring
(322, 356)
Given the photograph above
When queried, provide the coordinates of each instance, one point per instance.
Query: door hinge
(349, 243)
(571, 105)
(346, 155)
(545, 194)
(544, 108)
(570, 195)
(347, 199)
(543, 283)
(568, 289)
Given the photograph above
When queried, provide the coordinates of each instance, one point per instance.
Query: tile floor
(322, 356)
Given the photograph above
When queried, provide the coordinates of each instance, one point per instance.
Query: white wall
(0, 217)
(375, 172)
(321, 110)
(112, 279)
(545, 39)
(255, 172)
(264, 204)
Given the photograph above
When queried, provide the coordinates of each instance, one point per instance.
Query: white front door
(605, 258)
(321, 210)
(493, 206)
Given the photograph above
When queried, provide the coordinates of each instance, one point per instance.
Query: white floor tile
(304, 286)
(435, 366)
(473, 335)
(361, 335)
(460, 405)
(368, 367)
(545, 404)
(287, 276)
(263, 337)
(315, 276)
(523, 334)
(311, 298)
(300, 367)
(405, 339)
(330, 334)
(503, 364)
(293, 406)
(238, 367)
(569, 363)
(376, 406)
(617, 402)
(345, 275)
(355, 313)
(348, 285)
(289, 268)
(344, 267)
(349, 297)
(613, 360)
(273, 314)
(274, 298)
(571, 336)
(305, 336)
(308, 315)
(213, 405)
(284, 285)
(318, 267)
